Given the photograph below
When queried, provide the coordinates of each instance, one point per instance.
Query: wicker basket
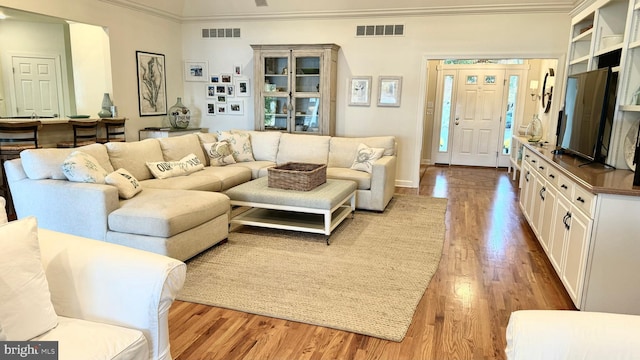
(297, 176)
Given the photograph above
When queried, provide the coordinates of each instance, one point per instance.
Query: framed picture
(221, 99)
(214, 79)
(196, 70)
(242, 87)
(211, 109)
(211, 91)
(221, 109)
(237, 70)
(221, 90)
(389, 90)
(360, 91)
(225, 78)
(231, 90)
(235, 107)
(152, 92)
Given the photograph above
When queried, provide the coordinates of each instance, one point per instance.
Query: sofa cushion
(258, 168)
(26, 310)
(81, 339)
(362, 179)
(3, 211)
(365, 157)
(265, 145)
(312, 149)
(46, 163)
(207, 138)
(133, 156)
(164, 213)
(128, 186)
(82, 167)
(240, 145)
(219, 153)
(229, 176)
(166, 169)
(203, 180)
(176, 147)
(343, 150)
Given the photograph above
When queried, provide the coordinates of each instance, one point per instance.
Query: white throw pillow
(82, 167)
(167, 169)
(3, 214)
(219, 153)
(26, 310)
(240, 145)
(128, 186)
(365, 157)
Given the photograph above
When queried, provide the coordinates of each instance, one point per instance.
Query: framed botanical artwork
(226, 78)
(196, 70)
(235, 107)
(211, 91)
(360, 91)
(242, 87)
(211, 109)
(389, 90)
(152, 93)
(214, 79)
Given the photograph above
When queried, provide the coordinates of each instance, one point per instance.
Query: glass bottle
(179, 115)
(534, 129)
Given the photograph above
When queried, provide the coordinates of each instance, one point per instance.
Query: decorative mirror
(547, 93)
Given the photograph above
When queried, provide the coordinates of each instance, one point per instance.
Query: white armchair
(112, 301)
(572, 335)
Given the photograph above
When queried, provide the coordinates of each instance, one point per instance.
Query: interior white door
(478, 114)
(36, 86)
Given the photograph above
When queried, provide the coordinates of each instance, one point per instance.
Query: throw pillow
(365, 157)
(167, 169)
(240, 143)
(219, 153)
(82, 167)
(128, 186)
(26, 310)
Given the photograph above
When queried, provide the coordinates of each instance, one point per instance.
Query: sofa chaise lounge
(180, 216)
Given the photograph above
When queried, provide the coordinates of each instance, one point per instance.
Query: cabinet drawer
(584, 200)
(565, 186)
(542, 167)
(552, 176)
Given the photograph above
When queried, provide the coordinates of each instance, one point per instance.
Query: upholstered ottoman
(175, 223)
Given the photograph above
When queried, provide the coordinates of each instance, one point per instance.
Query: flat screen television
(585, 126)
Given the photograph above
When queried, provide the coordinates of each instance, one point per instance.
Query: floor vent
(380, 30)
(221, 33)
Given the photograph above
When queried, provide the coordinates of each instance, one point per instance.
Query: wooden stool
(85, 132)
(114, 130)
(15, 137)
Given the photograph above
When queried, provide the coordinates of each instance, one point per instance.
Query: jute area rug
(368, 281)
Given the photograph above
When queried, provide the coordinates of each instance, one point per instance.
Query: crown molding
(145, 9)
(564, 7)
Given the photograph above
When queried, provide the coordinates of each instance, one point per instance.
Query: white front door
(477, 118)
(36, 86)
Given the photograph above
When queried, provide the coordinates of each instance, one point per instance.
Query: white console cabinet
(585, 217)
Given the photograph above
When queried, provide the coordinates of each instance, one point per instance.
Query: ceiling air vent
(380, 30)
(221, 33)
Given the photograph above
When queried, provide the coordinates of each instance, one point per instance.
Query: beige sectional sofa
(180, 216)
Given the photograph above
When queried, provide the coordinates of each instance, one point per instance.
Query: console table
(163, 132)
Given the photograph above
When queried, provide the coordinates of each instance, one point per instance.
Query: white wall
(426, 37)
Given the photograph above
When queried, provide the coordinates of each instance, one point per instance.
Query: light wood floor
(491, 265)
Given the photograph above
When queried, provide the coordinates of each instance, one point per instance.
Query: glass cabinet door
(307, 74)
(276, 92)
(307, 111)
